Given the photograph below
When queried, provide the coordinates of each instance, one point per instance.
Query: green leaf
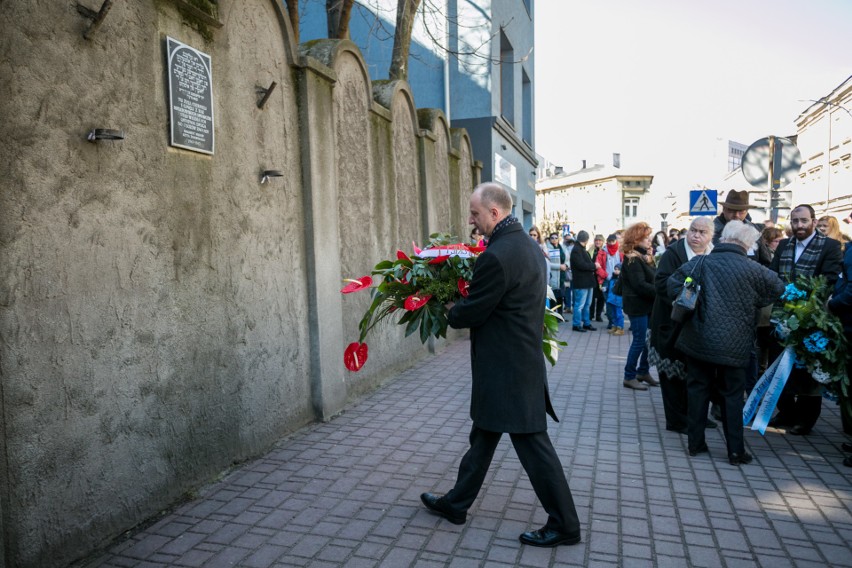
(412, 325)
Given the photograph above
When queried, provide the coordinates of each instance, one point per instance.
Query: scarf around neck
(507, 221)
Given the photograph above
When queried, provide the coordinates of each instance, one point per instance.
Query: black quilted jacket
(733, 289)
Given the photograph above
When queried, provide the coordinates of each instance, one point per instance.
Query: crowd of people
(710, 361)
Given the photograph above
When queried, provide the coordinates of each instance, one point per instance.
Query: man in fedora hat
(734, 208)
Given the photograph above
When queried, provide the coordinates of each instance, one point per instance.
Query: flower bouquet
(813, 339)
(814, 333)
(416, 287)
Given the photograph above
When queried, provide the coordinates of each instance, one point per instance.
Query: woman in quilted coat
(717, 340)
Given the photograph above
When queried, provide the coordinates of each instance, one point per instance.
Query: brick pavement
(346, 493)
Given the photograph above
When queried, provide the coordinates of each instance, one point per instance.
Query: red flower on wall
(355, 285)
(464, 286)
(415, 301)
(355, 356)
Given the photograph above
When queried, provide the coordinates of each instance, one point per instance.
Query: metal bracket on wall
(105, 134)
(267, 92)
(264, 177)
(96, 17)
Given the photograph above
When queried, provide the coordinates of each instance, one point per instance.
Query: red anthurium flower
(415, 302)
(355, 285)
(415, 248)
(401, 255)
(476, 249)
(439, 259)
(463, 287)
(355, 356)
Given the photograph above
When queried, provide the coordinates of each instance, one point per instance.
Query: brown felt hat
(736, 200)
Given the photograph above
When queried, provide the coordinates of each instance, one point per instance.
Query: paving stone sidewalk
(346, 493)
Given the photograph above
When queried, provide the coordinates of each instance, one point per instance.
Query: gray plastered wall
(163, 314)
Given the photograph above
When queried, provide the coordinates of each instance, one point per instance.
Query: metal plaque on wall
(190, 97)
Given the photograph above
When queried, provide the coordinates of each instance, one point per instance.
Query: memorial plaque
(190, 97)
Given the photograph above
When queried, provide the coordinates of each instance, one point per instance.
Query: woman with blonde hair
(829, 227)
(638, 293)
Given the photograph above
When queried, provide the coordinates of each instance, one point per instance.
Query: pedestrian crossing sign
(703, 202)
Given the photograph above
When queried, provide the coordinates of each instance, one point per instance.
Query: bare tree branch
(293, 13)
(405, 13)
(338, 13)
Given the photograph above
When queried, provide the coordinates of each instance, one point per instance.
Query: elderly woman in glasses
(670, 363)
(717, 340)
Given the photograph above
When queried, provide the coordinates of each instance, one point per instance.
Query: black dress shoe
(846, 447)
(599, 318)
(578, 328)
(589, 328)
(847, 462)
(548, 538)
(799, 430)
(702, 449)
(738, 459)
(439, 505)
(710, 424)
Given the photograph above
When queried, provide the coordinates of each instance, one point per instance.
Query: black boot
(808, 409)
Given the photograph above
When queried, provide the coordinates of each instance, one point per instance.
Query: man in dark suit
(807, 253)
(505, 313)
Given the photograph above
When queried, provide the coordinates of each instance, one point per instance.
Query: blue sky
(660, 80)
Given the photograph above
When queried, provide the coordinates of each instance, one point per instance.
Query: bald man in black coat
(505, 313)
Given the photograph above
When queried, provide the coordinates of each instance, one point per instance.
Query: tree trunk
(405, 13)
(293, 13)
(338, 14)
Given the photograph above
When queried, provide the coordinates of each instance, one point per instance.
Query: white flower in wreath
(819, 375)
(782, 329)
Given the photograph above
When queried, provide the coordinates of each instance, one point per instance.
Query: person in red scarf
(605, 262)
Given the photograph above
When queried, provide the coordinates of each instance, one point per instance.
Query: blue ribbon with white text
(771, 384)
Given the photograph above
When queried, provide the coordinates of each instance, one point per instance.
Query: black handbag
(687, 300)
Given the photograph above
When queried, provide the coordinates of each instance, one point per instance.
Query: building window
(507, 79)
(526, 103)
(631, 207)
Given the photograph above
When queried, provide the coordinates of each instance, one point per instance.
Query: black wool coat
(829, 263)
(841, 301)
(733, 289)
(505, 313)
(637, 283)
(661, 324)
(582, 268)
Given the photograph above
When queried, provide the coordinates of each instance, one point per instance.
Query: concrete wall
(164, 315)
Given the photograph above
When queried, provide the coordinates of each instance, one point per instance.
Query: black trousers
(674, 401)
(539, 460)
(729, 383)
(598, 303)
(800, 403)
